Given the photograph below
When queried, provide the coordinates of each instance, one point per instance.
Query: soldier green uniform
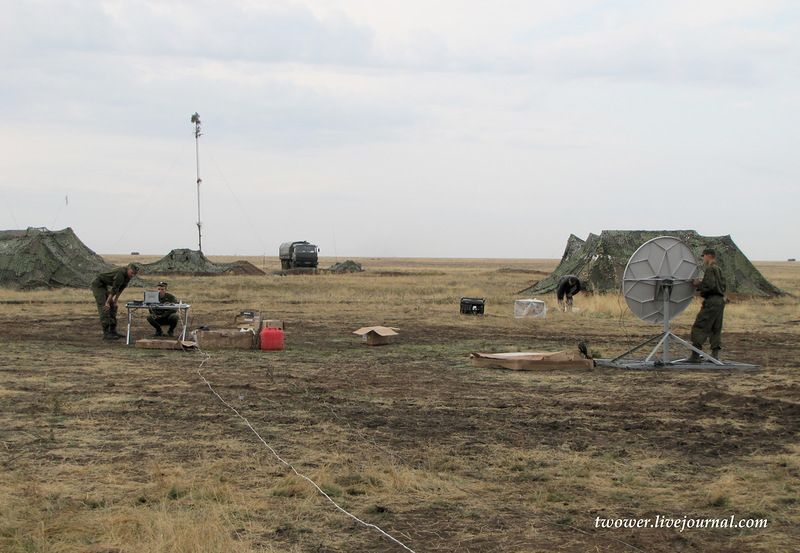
(708, 324)
(160, 317)
(105, 285)
(568, 286)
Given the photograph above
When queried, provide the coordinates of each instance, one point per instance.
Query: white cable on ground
(289, 465)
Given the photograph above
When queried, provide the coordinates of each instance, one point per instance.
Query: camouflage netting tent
(348, 266)
(192, 262)
(599, 261)
(41, 258)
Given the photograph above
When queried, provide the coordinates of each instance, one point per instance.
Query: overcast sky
(450, 128)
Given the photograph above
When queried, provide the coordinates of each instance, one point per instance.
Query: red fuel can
(271, 339)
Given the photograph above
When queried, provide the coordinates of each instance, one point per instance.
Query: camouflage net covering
(348, 266)
(599, 261)
(192, 262)
(41, 258)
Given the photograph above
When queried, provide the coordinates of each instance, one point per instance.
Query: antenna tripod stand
(664, 287)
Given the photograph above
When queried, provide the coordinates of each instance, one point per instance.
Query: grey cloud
(109, 93)
(132, 66)
(634, 45)
(212, 30)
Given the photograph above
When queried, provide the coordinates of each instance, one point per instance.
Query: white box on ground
(530, 308)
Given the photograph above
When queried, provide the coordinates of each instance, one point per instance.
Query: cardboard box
(530, 360)
(377, 335)
(272, 323)
(225, 339)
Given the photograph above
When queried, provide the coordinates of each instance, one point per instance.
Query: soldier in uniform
(568, 286)
(106, 288)
(161, 317)
(708, 324)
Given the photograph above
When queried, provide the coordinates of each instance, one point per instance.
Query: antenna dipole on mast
(197, 134)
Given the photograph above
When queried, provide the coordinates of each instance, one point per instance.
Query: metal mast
(197, 133)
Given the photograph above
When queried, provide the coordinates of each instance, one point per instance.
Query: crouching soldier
(106, 288)
(163, 317)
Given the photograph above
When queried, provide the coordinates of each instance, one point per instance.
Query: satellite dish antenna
(657, 285)
(657, 282)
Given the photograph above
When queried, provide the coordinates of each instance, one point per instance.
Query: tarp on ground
(193, 262)
(600, 260)
(348, 266)
(530, 360)
(42, 258)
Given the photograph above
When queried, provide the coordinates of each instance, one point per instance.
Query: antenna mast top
(197, 134)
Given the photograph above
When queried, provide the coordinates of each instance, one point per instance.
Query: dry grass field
(105, 448)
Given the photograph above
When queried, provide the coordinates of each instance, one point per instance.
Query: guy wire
(289, 465)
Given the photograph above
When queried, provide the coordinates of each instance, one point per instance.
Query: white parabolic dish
(659, 265)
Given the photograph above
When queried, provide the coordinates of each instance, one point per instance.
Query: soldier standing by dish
(708, 324)
(107, 288)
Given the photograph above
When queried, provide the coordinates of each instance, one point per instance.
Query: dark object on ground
(599, 261)
(298, 254)
(243, 267)
(348, 266)
(473, 306)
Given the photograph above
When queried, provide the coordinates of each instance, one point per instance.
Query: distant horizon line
(785, 260)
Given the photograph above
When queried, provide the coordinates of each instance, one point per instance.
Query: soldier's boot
(694, 357)
(171, 331)
(108, 335)
(113, 330)
(715, 354)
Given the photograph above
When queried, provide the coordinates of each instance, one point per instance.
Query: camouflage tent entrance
(599, 261)
(192, 262)
(41, 258)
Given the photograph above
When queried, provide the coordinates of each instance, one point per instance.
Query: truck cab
(298, 254)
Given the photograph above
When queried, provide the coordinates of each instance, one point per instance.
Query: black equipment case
(472, 306)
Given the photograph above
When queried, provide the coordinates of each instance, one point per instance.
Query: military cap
(162, 283)
(710, 251)
(135, 266)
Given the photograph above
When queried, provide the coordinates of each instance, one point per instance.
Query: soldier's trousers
(708, 324)
(171, 319)
(107, 318)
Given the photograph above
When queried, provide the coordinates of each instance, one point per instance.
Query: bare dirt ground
(105, 448)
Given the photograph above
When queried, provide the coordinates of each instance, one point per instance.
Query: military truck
(294, 255)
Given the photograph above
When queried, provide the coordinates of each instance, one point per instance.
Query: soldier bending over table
(106, 288)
